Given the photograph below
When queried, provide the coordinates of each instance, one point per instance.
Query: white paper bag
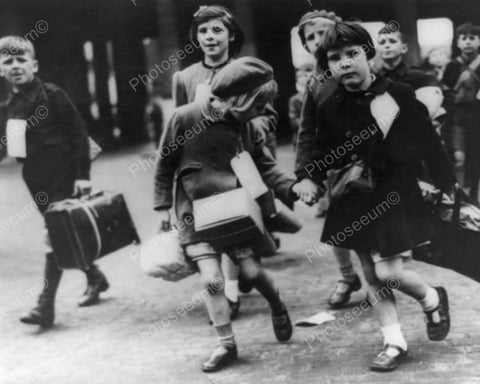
(16, 138)
(162, 256)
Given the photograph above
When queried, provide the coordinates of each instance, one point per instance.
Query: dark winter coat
(198, 151)
(393, 218)
(56, 138)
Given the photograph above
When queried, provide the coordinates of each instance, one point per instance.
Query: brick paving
(145, 330)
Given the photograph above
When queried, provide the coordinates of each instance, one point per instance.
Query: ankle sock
(392, 335)
(225, 335)
(430, 301)
(231, 290)
(348, 273)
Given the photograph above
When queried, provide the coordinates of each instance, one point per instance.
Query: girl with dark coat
(197, 147)
(384, 224)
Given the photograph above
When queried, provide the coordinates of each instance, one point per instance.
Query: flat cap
(241, 76)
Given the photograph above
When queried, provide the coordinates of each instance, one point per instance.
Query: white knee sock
(392, 334)
(231, 290)
(430, 301)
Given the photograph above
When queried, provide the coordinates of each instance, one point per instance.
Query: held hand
(459, 158)
(307, 191)
(82, 187)
(164, 222)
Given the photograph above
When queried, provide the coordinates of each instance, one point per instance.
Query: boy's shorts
(203, 250)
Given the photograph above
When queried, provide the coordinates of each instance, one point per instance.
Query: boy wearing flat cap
(217, 131)
(57, 162)
(312, 28)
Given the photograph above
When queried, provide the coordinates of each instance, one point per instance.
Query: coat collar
(378, 87)
(401, 69)
(33, 92)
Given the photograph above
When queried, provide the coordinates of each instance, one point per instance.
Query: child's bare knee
(384, 272)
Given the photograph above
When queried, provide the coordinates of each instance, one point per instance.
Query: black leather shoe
(220, 358)
(92, 293)
(339, 298)
(43, 315)
(438, 320)
(282, 326)
(385, 363)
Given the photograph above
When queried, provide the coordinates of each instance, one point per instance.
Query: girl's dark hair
(341, 35)
(207, 13)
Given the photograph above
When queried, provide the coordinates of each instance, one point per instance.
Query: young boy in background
(57, 162)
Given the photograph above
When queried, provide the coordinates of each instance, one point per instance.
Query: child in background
(462, 76)
(295, 103)
(312, 28)
(57, 162)
(436, 61)
(386, 237)
(202, 169)
(392, 48)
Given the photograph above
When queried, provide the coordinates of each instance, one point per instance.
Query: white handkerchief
(317, 319)
(16, 138)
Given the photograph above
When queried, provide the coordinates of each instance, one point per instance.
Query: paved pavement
(150, 331)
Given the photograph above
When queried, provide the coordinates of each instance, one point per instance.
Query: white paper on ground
(317, 319)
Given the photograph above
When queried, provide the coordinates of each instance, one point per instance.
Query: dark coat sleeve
(167, 164)
(306, 136)
(273, 175)
(178, 91)
(77, 133)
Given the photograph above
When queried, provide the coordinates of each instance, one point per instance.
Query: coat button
(348, 134)
(354, 157)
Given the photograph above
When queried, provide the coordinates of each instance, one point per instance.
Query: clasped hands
(307, 191)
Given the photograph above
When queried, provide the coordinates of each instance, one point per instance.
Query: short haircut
(309, 16)
(207, 13)
(468, 29)
(387, 30)
(16, 45)
(342, 35)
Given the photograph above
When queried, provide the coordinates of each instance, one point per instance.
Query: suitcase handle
(90, 195)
